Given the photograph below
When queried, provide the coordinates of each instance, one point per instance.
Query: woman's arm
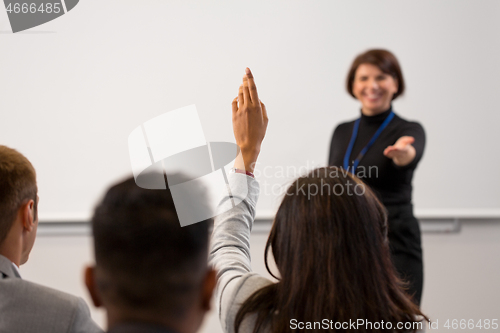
(409, 148)
(230, 244)
(402, 152)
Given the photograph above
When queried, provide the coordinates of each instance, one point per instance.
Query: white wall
(462, 271)
(74, 88)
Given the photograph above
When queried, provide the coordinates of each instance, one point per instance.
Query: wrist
(245, 172)
(250, 158)
(250, 152)
(246, 160)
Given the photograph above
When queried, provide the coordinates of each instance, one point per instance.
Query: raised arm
(249, 122)
(230, 243)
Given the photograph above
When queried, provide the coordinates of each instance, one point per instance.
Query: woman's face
(373, 88)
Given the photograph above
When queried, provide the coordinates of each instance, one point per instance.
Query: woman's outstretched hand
(249, 122)
(402, 152)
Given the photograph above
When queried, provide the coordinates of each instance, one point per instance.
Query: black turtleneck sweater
(392, 184)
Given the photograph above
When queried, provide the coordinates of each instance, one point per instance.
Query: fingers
(246, 92)
(240, 95)
(391, 149)
(251, 86)
(234, 104)
(409, 140)
(390, 154)
(406, 140)
(264, 111)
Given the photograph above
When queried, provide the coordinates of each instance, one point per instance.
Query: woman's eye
(381, 77)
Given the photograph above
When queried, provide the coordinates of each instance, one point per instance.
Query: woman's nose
(374, 84)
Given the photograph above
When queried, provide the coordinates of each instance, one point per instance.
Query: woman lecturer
(383, 150)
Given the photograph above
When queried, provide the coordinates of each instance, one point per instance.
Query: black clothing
(406, 251)
(391, 183)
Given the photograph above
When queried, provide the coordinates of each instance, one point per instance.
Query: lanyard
(365, 149)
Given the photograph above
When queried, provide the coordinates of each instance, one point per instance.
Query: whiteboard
(73, 89)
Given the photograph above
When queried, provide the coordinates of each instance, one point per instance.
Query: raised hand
(249, 122)
(402, 152)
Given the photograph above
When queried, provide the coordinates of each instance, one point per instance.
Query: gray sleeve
(82, 322)
(230, 243)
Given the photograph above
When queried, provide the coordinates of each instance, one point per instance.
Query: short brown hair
(385, 61)
(17, 184)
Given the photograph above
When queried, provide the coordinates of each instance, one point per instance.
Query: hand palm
(400, 148)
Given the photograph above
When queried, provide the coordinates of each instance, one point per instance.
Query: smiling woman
(375, 79)
(382, 140)
(374, 89)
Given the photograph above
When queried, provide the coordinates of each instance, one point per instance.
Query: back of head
(329, 242)
(329, 216)
(146, 263)
(17, 185)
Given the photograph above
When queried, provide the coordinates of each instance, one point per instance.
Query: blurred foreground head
(149, 269)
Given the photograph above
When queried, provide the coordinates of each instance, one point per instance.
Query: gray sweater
(230, 253)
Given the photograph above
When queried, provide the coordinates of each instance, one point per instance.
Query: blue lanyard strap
(365, 149)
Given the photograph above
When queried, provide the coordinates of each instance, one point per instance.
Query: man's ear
(28, 215)
(92, 286)
(208, 288)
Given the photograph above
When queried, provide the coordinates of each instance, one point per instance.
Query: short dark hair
(385, 61)
(17, 184)
(145, 261)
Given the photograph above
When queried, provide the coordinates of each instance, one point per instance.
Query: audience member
(151, 274)
(25, 306)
